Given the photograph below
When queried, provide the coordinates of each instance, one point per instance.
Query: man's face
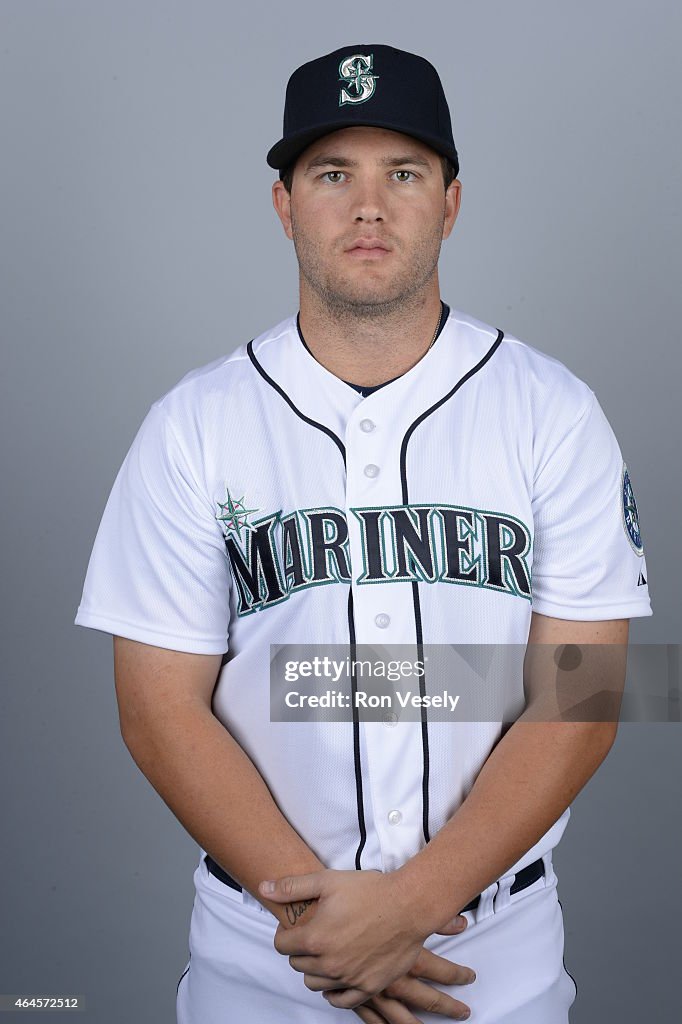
(365, 185)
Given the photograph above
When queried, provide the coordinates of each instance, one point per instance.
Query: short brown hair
(286, 174)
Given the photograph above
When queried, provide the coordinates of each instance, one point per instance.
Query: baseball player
(379, 468)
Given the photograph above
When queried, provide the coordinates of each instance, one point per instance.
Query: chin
(366, 290)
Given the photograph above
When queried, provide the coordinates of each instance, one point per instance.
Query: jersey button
(371, 470)
(382, 620)
(394, 817)
(367, 426)
(390, 718)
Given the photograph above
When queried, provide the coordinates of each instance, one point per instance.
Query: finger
(454, 927)
(368, 1015)
(293, 888)
(418, 994)
(432, 967)
(393, 1010)
(310, 965)
(298, 941)
(346, 998)
(316, 983)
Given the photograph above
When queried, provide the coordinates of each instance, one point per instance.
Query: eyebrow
(335, 160)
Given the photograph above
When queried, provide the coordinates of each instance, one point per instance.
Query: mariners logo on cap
(356, 72)
(630, 517)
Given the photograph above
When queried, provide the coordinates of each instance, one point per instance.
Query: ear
(453, 198)
(281, 200)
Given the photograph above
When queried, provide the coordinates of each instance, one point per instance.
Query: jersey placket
(384, 615)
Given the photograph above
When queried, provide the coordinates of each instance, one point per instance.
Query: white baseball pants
(515, 943)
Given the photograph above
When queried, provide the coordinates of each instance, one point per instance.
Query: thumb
(454, 927)
(293, 887)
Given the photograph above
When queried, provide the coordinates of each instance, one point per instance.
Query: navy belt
(525, 877)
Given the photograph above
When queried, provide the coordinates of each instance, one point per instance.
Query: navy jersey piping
(280, 391)
(563, 959)
(351, 620)
(177, 987)
(415, 585)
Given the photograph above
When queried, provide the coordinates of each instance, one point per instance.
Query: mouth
(368, 254)
(368, 250)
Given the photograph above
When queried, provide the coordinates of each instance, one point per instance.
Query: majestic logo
(234, 515)
(630, 517)
(283, 554)
(356, 72)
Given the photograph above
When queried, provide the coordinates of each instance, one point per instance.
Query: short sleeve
(588, 556)
(158, 572)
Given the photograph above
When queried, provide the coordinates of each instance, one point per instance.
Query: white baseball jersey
(265, 501)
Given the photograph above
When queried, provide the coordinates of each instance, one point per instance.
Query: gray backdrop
(139, 241)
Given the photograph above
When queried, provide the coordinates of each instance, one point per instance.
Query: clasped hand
(363, 936)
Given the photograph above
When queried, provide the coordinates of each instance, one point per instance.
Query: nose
(368, 204)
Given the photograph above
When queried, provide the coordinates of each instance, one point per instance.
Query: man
(379, 469)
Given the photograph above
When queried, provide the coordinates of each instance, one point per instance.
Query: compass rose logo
(234, 515)
(356, 72)
(630, 516)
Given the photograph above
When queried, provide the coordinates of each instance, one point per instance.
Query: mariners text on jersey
(282, 554)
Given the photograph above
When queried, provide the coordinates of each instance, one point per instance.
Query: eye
(327, 173)
(405, 172)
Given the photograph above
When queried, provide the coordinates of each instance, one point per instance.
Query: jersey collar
(320, 395)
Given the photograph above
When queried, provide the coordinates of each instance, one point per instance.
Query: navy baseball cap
(364, 84)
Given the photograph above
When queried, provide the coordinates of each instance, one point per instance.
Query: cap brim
(286, 150)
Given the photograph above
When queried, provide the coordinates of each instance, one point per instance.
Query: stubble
(351, 296)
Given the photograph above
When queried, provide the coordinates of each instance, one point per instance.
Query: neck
(369, 347)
